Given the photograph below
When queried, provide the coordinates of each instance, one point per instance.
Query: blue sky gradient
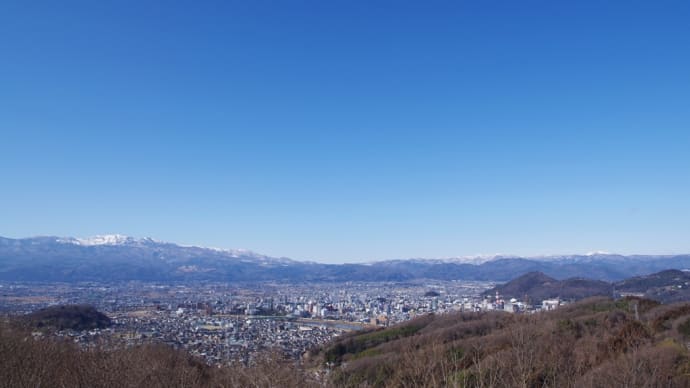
(347, 131)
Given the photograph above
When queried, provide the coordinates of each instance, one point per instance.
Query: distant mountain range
(118, 258)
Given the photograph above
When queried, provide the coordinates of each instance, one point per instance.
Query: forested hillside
(594, 343)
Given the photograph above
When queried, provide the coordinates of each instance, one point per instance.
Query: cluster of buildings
(512, 305)
(220, 338)
(226, 323)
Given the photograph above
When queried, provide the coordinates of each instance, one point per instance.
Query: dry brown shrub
(658, 366)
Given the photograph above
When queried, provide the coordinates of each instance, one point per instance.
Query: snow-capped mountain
(483, 259)
(122, 240)
(123, 258)
(106, 239)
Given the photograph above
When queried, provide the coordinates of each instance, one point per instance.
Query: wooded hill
(67, 317)
(665, 286)
(593, 343)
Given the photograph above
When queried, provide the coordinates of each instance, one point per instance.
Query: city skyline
(350, 132)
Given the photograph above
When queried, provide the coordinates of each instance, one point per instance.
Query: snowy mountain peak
(105, 239)
(128, 241)
(597, 253)
(477, 259)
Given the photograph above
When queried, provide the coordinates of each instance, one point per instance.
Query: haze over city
(350, 132)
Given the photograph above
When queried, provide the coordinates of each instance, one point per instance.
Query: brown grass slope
(28, 361)
(598, 342)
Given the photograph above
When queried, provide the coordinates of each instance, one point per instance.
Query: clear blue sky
(350, 130)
